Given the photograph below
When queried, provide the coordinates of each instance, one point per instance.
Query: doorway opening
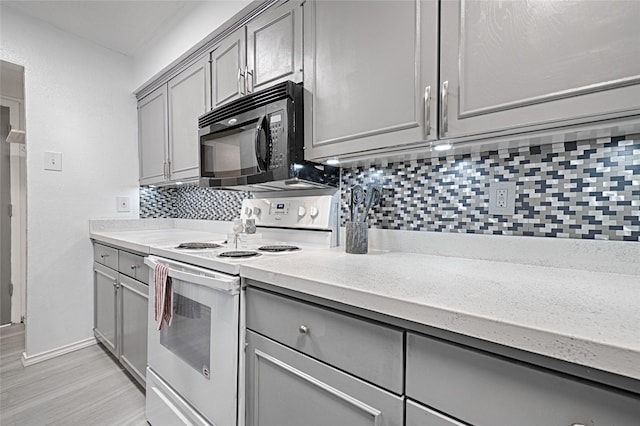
(13, 191)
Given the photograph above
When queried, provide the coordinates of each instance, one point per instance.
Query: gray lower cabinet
(371, 73)
(309, 366)
(134, 298)
(481, 389)
(514, 66)
(285, 387)
(120, 306)
(105, 302)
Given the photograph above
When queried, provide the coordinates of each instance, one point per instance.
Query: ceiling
(124, 26)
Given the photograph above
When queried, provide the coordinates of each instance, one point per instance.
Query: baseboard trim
(53, 353)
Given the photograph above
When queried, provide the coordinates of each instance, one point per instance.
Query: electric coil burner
(278, 248)
(198, 246)
(239, 254)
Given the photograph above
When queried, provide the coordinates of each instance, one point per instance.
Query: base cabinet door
(105, 303)
(285, 387)
(133, 326)
(507, 67)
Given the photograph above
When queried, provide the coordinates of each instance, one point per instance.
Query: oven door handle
(204, 278)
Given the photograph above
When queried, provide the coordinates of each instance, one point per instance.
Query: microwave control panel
(276, 145)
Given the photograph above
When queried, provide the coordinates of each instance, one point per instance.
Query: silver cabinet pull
(303, 329)
(103, 255)
(240, 86)
(427, 111)
(133, 267)
(444, 118)
(577, 424)
(249, 79)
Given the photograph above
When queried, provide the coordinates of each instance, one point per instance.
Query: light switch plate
(53, 161)
(502, 198)
(124, 204)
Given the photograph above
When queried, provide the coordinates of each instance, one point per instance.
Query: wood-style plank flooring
(85, 387)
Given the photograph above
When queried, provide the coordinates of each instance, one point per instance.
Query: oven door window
(188, 337)
(230, 153)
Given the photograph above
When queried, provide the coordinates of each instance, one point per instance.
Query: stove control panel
(312, 212)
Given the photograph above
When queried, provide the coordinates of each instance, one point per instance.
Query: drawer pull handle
(577, 424)
(104, 255)
(133, 267)
(303, 329)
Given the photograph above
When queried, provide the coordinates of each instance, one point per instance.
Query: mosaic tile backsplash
(190, 202)
(586, 189)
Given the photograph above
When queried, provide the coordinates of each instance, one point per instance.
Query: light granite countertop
(587, 315)
(584, 317)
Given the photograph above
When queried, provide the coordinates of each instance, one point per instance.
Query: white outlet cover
(123, 204)
(510, 207)
(53, 161)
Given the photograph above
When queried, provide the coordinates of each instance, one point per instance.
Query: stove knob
(314, 212)
(256, 211)
(248, 211)
(302, 211)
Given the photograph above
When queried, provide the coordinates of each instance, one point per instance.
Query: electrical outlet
(124, 204)
(502, 198)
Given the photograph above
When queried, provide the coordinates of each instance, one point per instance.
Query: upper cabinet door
(371, 74)
(228, 69)
(188, 99)
(274, 46)
(152, 136)
(515, 66)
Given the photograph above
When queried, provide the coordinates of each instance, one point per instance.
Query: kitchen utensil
(373, 195)
(357, 197)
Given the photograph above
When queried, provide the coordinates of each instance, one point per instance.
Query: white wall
(78, 102)
(187, 30)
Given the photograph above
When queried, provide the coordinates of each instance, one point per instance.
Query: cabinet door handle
(249, 79)
(427, 111)
(103, 255)
(133, 267)
(240, 86)
(444, 104)
(303, 329)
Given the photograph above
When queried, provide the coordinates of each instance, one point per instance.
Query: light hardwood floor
(85, 387)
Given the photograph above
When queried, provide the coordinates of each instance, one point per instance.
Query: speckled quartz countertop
(577, 309)
(584, 317)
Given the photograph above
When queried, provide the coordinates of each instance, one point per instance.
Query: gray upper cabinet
(152, 136)
(274, 47)
(168, 126)
(371, 74)
(516, 66)
(228, 68)
(188, 99)
(266, 51)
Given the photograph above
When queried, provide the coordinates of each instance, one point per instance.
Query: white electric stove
(194, 363)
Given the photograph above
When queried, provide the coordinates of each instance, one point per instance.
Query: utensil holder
(357, 241)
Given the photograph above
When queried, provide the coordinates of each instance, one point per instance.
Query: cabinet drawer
(108, 256)
(133, 266)
(419, 415)
(285, 387)
(362, 348)
(481, 389)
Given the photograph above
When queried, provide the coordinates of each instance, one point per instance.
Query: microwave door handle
(263, 148)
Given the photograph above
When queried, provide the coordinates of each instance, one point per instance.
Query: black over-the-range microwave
(256, 143)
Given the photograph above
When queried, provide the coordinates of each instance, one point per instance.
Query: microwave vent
(248, 103)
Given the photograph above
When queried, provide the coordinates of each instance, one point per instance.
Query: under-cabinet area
(334, 367)
(121, 296)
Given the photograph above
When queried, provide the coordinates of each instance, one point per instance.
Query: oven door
(197, 355)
